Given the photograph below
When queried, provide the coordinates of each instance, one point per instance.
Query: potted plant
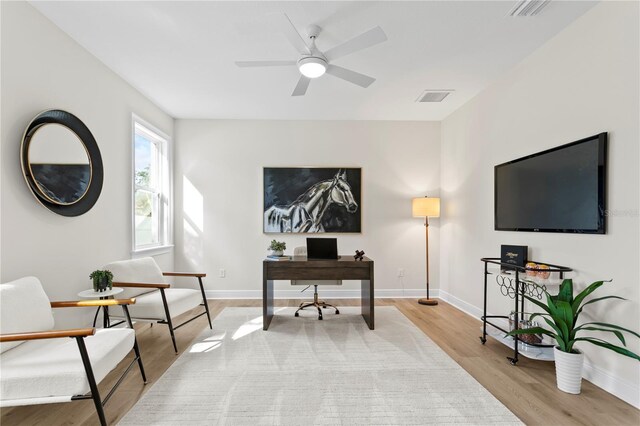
(277, 248)
(102, 280)
(561, 313)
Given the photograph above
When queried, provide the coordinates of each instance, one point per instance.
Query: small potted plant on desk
(277, 248)
(102, 280)
(561, 313)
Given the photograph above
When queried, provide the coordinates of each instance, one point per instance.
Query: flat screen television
(562, 189)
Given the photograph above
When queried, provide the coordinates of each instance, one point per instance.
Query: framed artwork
(312, 200)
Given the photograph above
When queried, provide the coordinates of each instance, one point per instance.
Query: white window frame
(165, 209)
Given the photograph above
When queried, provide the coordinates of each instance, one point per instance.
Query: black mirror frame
(74, 124)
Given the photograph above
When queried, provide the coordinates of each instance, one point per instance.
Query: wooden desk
(299, 268)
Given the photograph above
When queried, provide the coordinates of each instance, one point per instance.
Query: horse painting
(309, 211)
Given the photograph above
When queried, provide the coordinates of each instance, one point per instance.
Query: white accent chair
(157, 301)
(40, 365)
(318, 304)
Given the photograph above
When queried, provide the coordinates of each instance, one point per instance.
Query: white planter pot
(276, 253)
(568, 370)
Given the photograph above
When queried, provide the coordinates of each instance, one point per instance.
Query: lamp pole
(427, 301)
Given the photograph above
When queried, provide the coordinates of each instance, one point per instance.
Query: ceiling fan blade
(364, 40)
(245, 64)
(350, 76)
(290, 32)
(301, 87)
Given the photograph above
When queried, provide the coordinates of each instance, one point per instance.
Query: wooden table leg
(267, 299)
(367, 301)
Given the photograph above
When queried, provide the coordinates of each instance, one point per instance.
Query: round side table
(108, 294)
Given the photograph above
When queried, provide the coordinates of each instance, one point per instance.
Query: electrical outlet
(400, 272)
(223, 273)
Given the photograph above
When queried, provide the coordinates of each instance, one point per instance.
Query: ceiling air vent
(528, 7)
(433, 95)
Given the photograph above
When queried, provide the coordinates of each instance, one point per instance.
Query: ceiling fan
(313, 63)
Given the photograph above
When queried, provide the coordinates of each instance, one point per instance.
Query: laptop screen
(322, 248)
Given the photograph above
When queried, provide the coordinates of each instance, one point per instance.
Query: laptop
(322, 248)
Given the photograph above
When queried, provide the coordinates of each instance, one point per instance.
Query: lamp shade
(426, 207)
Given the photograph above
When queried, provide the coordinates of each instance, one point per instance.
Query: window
(151, 187)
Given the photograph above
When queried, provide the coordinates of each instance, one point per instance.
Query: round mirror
(61, 163)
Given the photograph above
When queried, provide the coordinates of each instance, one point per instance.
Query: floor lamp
(426, 207)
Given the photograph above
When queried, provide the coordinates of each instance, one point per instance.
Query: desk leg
(367, 301)
(267, 299)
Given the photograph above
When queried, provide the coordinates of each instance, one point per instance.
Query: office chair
(319, 304)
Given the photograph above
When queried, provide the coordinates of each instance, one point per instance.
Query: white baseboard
(326, 294)
(626, 391)
(465, 307)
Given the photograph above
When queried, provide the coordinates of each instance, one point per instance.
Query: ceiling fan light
(312, 67)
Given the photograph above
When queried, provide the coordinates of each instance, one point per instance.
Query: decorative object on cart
(561, 313)
(311, 199)
(531, 339)
(61, 163)
(426, 207)
(359, 255)
(515, 287)
(514, 255)
(102, 280)
(277, 248)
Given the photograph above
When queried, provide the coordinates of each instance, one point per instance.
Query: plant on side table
(102, 280)
(561, 313)
(277, 248)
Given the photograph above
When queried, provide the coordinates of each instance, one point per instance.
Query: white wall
(218, 195)
(42, 68)
(582, 82)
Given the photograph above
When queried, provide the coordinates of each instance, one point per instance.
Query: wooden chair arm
(89, 303)
(53, 334)
(141, 285)
(184, 274)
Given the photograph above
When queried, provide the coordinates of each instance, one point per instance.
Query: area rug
(304, 371)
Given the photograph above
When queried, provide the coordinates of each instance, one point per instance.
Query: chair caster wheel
(337, 312)
(297, 314)
(320, 318)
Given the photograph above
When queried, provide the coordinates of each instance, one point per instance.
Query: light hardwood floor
(527, 389)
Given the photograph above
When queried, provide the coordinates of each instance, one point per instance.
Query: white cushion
(53, 367)
(143, 270)
(24, 306)
(179, 300)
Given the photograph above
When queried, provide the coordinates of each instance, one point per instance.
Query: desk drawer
(310, 273)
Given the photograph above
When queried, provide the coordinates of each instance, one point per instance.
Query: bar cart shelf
(514, 285)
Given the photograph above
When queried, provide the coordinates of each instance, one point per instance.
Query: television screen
(558, 190)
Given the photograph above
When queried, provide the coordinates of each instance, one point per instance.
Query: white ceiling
(181, 54)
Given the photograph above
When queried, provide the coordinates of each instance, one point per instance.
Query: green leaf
(539, 304)
(584, 293)
(607, 345)
(555, 328)
(564, 309)
(617, 333)
(597, 300)
(566, 291)
(617, 327)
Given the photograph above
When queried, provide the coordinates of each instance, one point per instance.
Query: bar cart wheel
(483, 340)
(513, 361)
